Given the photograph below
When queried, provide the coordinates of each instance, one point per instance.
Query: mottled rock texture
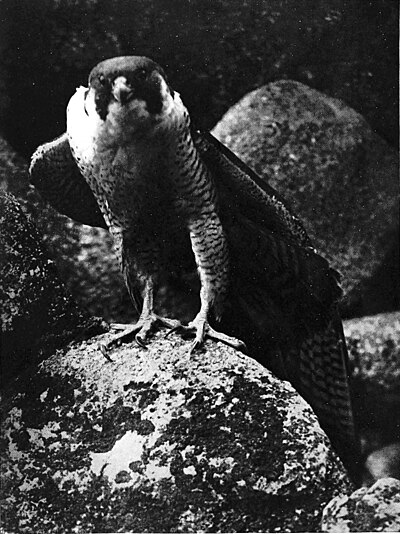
(374, 509)
(161, 441)
(339, 177)
(374, 350)
(37, 313)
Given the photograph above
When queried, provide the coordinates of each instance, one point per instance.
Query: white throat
(124, 125)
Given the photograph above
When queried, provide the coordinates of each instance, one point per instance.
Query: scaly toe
(228, 340)
(203, 330)
(117, 338)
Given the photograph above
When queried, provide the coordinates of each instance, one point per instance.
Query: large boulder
(339, 177)
(160, 441)
(374, 509)
(37, 313)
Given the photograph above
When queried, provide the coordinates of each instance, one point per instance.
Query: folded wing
(55, 174)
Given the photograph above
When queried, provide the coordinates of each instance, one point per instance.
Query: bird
(181, 206)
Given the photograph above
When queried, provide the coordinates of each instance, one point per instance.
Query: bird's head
(129, 81)
(129, 94)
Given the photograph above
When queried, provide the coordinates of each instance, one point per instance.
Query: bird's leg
(211, 254)
(148, 320)
(201, 328)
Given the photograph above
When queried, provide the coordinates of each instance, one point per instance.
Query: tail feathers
(319, 372)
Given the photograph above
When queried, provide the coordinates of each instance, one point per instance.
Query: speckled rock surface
(374, 509)
(374, 350)
(37, 313)
(339, 177)
(160, 441)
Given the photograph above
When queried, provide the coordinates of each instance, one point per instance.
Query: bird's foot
(201, 330)
(142, 329)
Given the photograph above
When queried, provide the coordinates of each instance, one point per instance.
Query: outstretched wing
(283, 299)
(55, 174)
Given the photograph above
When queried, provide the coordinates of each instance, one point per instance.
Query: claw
(195, 346)
(228, 340)
(140, 341)
(177, 328)
(103, 350)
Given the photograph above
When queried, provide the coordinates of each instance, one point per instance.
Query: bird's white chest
(122, 177)
(98, 159)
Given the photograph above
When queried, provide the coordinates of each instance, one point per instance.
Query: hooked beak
(121, 91)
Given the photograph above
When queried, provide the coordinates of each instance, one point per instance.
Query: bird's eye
(102, 79)
(141, 74)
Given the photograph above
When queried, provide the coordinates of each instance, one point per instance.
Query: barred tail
(320, 373)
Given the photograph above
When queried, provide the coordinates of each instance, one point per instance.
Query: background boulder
(161, 441)
(339, 177)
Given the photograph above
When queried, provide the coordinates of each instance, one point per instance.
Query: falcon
(181, 206)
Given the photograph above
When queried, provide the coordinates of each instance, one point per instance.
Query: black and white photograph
(199, 266)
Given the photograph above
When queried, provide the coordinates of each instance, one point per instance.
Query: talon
(177, 328)
(195, 346)
(140, 341)
(103, 350)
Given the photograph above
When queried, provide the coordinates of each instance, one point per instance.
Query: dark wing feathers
(240, 187)
(267, 243)
(55, 174)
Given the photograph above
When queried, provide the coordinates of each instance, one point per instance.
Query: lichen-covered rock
(339, 177)
(374, 509)
(160, 441)
(37, 314)
(374, 351)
